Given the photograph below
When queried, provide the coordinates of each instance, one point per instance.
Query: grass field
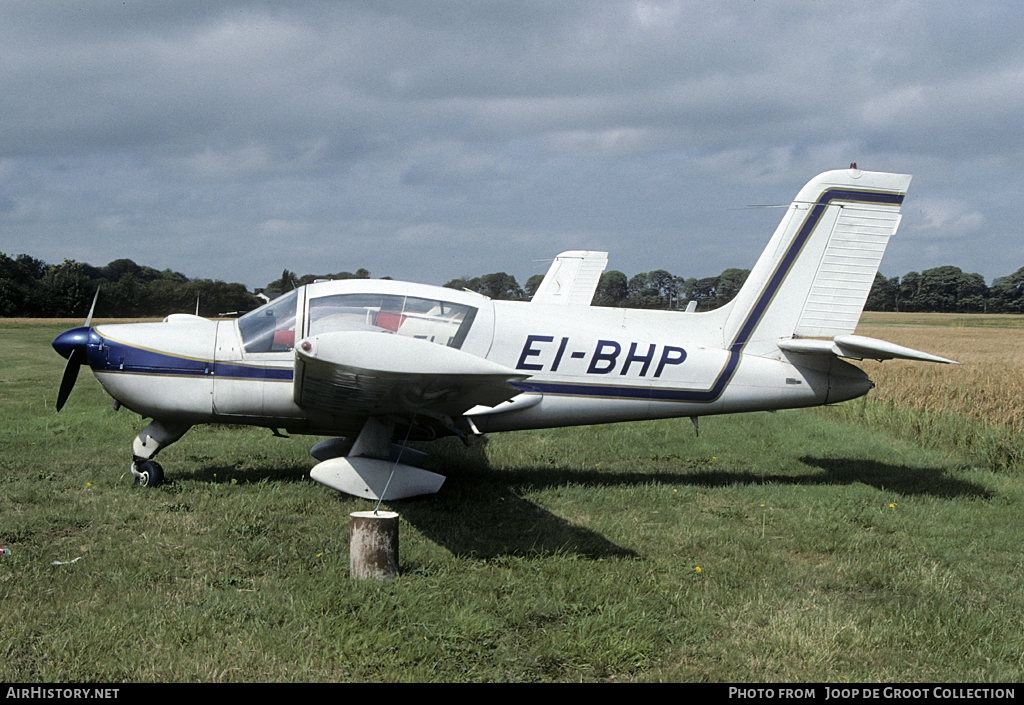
(853, 543)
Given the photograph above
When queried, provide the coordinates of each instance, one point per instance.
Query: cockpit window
(270, 328)
(427, 319)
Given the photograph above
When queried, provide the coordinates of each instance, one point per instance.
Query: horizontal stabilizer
(858, 347)
(572, 279)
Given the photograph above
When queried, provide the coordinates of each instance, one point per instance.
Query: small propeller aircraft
(369, 362)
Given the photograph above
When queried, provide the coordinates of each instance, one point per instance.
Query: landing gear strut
(370, 468)
(154, 438)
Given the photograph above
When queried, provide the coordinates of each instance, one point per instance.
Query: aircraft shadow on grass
(900, 479)
(489, 516)
(482, 512)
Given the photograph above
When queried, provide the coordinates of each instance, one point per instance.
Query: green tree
(972, 294)
(119, 268)
(463, 283)
(729, 284)
(20, 294)
(667, 286)
(217, 298)
(67, 290)
(289, 280)
(1007, 293)
(940, 289)
(884, 294)
(532, 284)
(642, 292)
(125, 297)
(612, 289)
(704, 292)
(907, 299)
(498, 285)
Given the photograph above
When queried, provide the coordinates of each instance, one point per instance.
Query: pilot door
(255, 362)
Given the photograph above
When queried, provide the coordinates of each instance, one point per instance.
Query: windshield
(438, 321)
(270, 328)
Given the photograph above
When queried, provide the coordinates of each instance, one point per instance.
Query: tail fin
(816, 273)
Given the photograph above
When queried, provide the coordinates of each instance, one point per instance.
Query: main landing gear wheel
(147, 473)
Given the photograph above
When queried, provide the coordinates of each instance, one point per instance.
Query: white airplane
(378, 361)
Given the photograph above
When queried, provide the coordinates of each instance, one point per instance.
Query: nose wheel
(147, 473)
(156, 436)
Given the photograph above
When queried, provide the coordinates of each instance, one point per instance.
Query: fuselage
(378, 361)
(580, 365)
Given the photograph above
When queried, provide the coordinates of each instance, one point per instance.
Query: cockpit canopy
(272, 328)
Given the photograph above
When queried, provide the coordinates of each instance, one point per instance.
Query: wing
(363, 373)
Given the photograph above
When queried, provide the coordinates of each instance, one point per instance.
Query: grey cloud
(426, 140)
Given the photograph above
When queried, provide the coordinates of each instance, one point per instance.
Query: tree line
(948, 289)
(945, 289)
(290, 280)
(654, 290)
(32, 288)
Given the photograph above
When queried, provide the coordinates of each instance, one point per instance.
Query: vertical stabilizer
(816, 273)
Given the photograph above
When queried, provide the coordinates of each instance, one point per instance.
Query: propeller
(70, 344)
(92, 308)
(67, 382)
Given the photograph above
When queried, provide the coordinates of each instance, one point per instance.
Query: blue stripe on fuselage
(114, 356)
(236, 371)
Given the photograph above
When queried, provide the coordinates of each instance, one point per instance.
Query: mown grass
(795, 546)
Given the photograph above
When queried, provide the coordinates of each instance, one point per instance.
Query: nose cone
(71, 339)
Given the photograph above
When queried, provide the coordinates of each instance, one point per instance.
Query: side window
(439, 322)
(270, 328)
(351, 312)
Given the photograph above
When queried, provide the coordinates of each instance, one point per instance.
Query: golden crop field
(988, 385)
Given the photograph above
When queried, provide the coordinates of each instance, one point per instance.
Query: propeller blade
(88, 319)
(67, 382)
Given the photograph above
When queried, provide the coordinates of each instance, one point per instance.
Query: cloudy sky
(429, 140)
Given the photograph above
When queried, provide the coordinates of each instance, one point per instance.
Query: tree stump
(373, 546)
